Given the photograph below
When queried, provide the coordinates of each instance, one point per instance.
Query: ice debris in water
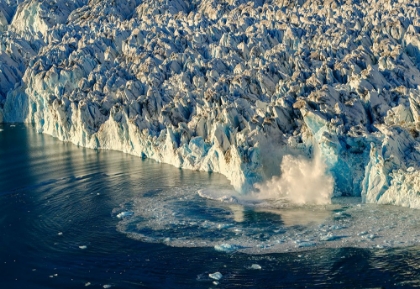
(255, 267)
(216, 276)
(235, 89)
(107, 286)
(226, 196)
(83, 247)
(329, 237)
(124, 214)
(265, 227)
(87, 284)
(228, 248)
(304, 244)
(60, 233)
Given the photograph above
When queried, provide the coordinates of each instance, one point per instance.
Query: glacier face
(229, 86)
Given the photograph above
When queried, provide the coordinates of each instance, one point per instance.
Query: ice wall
(225, 86)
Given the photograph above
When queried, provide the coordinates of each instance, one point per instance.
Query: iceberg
(233, 86)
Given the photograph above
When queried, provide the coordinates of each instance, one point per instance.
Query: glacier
(227, 86)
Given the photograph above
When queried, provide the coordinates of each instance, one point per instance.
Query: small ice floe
(224, 226)
(228, 248)
(125, 214)
(83, 247)
(216, 283)
(304, 244)
(60, 234)
(87, 284)
(1, 129)
(107, 286)
(329, 237)
(371, 236)
(12, 125)
(337, 227)
(216, 276)
(255, 267)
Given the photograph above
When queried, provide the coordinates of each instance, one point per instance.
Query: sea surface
(78, 218)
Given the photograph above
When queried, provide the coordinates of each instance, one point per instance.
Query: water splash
(302, 181)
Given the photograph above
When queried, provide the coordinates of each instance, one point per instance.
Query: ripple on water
(182, 217)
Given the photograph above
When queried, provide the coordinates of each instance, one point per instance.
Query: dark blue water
(56, 197)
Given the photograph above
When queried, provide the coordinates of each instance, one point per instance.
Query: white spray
(302, 181)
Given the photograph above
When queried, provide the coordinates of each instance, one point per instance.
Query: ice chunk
(124, 214)
(329, 237)
(228, 248)
(82, 247)
(255, 267)
(304, 244)
(216, 276)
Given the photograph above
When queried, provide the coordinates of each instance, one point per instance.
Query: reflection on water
(287, 217)
(299, 216)
(57, 198)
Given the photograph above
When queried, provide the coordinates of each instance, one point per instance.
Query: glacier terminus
(244, 88)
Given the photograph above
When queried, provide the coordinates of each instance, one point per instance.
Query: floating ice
(83, 247)
(227, 196)
(107, 286)
(124, 214)
(87, 284)
(228, 248)
(180, 217)
(216, 276)
(304, 244)
(255, 267)
(329, 237)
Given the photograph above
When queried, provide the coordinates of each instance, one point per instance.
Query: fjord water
(59, 226)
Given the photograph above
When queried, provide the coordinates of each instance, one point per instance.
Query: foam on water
(182, 217)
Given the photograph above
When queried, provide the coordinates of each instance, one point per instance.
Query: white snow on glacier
(231, 86)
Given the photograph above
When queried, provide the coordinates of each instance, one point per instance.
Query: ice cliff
(228, 86)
